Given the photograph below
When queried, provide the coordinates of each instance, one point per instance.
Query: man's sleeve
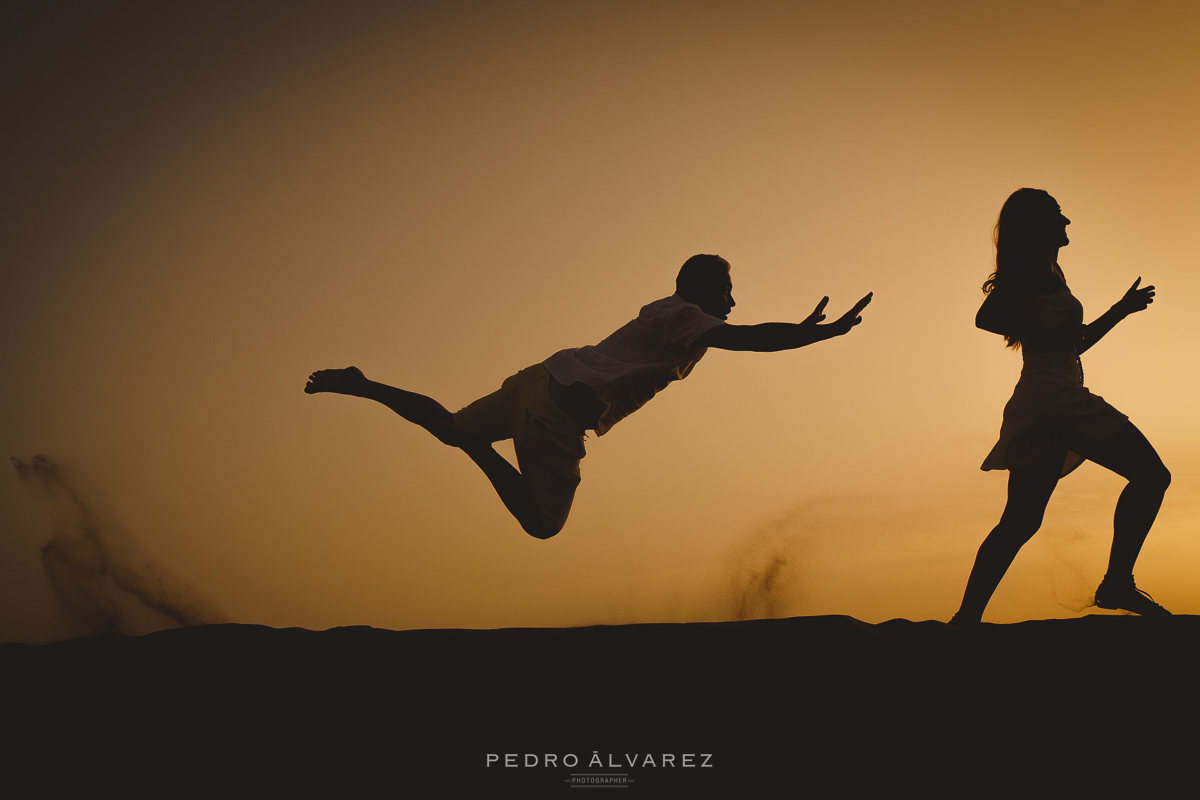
(689, 323)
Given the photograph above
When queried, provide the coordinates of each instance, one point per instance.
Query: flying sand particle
(104, 581)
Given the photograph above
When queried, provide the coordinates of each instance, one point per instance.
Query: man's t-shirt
(639, 359)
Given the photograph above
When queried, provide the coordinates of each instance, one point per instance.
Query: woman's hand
(1135, 299)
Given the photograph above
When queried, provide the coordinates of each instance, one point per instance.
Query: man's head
(704, 280)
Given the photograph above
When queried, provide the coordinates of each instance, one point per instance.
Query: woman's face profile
(1051, 225)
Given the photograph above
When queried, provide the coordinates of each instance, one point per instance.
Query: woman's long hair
(1020, 239)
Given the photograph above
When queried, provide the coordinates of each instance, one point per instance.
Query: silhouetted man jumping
(546, 409)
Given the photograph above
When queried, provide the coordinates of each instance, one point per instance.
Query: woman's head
(1028, 234)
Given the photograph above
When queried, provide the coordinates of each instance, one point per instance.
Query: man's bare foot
(338, 381)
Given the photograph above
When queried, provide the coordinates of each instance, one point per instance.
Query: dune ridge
(811, 706)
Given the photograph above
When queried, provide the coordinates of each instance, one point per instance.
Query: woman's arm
(997, 315)
(1133, 300)
(1012, 319)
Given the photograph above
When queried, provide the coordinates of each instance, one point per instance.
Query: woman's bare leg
(1130, 455)
(1029, 490)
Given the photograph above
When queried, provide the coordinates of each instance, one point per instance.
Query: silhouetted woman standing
(1052, 423)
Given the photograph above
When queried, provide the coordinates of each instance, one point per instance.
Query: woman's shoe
(1124, 596)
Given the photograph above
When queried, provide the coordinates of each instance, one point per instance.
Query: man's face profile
(716, 298)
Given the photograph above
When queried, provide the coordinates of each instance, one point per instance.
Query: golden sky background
(205, 202)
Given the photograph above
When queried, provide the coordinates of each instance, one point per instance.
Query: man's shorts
(530, 409)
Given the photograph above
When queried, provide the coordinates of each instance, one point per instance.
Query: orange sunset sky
(204, 202)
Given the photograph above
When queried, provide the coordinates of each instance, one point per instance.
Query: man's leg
(416, 408)
(512, 487)
(548, 444)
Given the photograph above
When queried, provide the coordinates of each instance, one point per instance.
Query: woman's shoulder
(1044, 292)
(1053, 296)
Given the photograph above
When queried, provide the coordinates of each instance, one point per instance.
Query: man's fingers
(858, 307)
(1135, 284)
(847, 320)
(818, 313)
(861, 304)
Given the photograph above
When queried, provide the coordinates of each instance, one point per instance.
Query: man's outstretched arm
(769, 337)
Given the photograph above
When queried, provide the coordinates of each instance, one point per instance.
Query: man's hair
(698, 273)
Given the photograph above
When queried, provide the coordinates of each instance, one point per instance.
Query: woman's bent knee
(1158, 478)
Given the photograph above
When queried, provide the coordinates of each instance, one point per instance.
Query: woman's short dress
(1050, 410)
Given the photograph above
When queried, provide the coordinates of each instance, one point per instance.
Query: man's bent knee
(540, 529)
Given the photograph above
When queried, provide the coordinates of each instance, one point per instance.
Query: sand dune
(809, 706)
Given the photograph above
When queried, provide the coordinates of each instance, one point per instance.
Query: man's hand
(1135, 299)
(844, 323)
